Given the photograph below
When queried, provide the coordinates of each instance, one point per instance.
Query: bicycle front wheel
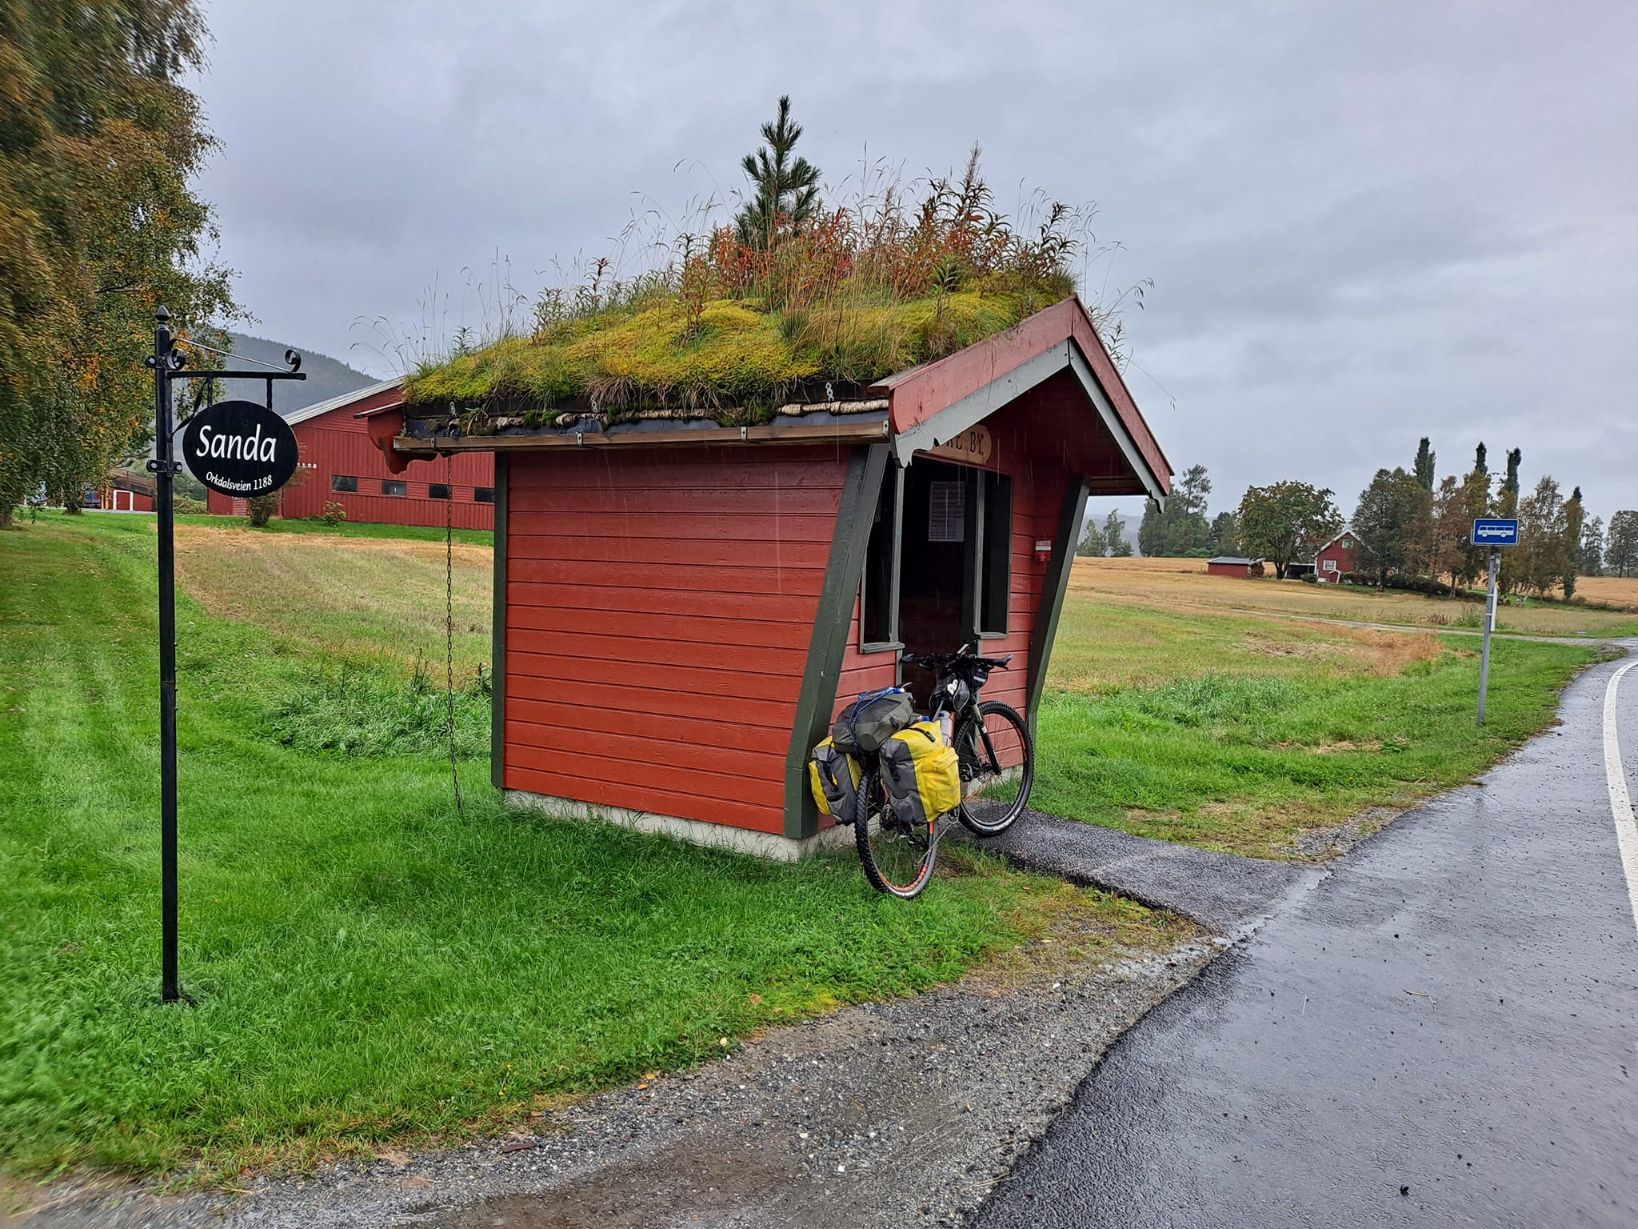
(897, 856)
(997, 768)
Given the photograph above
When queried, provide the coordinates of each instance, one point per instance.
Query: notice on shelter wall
(947, 511)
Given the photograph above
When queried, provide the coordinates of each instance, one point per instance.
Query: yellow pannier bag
(920, 770)
(834, 779)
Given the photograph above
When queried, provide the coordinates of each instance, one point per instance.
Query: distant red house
(1234, 565)
(125, 491)
(339, 464)
(1337, 558)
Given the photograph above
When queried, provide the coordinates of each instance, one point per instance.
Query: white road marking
(1626, 823)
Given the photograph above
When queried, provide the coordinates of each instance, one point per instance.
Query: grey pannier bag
(871, 720)
(833, 776)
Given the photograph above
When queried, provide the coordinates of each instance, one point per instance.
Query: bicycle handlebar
(940, 661)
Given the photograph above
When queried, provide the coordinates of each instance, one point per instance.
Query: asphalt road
(1444, 1031)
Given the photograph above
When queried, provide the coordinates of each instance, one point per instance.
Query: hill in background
(326, 377)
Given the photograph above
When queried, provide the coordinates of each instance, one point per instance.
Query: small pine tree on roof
(786, 191)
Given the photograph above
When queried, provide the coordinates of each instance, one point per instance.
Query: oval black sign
(239, 448)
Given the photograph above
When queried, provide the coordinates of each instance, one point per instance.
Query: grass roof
(731, 330)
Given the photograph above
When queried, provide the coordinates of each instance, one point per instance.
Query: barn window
(995, 552)
(483, 494)
(437, 490)
(879, 599)
(347, 484)
(394, 486)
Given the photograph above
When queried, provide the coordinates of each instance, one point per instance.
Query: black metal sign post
(168, 363)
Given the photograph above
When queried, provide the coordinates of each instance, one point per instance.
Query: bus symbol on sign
(1495, 531)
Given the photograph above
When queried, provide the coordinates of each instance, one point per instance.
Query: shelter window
(995, 553)
(879, 598)
(394, 486)
(438, 490)
(483, 494)
(347, 484)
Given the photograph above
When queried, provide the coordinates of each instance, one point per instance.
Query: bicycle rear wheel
(897, 856)
(997, 768)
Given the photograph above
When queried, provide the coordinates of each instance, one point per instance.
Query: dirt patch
(1323, 844)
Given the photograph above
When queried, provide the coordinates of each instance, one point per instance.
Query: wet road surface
(1444, 1031)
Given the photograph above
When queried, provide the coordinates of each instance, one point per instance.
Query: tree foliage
(1545, 551)
(1575, 520)
(786, 189)
(1426, 466)
(1114, 537)
(1285, 521)
(1592, 547)
(1091, 544)
(98, 226)
(1180, 528)
(1387, 522)
(1621, 550)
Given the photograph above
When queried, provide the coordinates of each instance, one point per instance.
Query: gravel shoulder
(896, 1113)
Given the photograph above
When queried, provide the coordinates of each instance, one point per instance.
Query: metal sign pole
(272, 459)
(1489, 626)
(164, 467)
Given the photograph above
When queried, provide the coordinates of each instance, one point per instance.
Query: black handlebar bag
(871, 720)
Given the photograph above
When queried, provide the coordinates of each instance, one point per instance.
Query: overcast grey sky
(1364, 222)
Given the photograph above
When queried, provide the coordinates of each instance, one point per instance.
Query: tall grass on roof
(856, 292)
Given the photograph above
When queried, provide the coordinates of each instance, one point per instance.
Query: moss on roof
(730, 353)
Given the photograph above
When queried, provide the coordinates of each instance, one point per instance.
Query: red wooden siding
(924, 391)
(339, 443)
(660, 604)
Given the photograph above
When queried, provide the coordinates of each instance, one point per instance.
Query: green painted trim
(1052, 593)
(497, 631)
(843, 571)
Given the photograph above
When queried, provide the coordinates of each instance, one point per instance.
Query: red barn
(1337, 558)
(1234, 565)
(339, 464)
(681, 606)
(125, 491)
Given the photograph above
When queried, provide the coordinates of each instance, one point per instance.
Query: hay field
(1184, 585)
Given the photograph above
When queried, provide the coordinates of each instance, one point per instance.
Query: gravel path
(889, 1114)
(1224, 892)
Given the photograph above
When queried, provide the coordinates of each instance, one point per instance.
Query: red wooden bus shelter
(681, 606)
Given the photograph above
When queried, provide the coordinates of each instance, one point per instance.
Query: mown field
(370, 967)
(1182, 584)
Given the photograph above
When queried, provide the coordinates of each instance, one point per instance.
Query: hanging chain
(449, 626)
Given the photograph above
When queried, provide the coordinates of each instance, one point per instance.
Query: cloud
(1363, 223)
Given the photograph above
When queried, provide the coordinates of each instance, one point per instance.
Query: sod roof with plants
(733, 325)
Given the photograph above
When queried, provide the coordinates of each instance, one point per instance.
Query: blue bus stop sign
(1495, 531)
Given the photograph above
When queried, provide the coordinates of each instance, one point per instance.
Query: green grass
(368, 966)
(346, 529)
(1247, 762)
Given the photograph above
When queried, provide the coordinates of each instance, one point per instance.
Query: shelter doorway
(938, 569)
